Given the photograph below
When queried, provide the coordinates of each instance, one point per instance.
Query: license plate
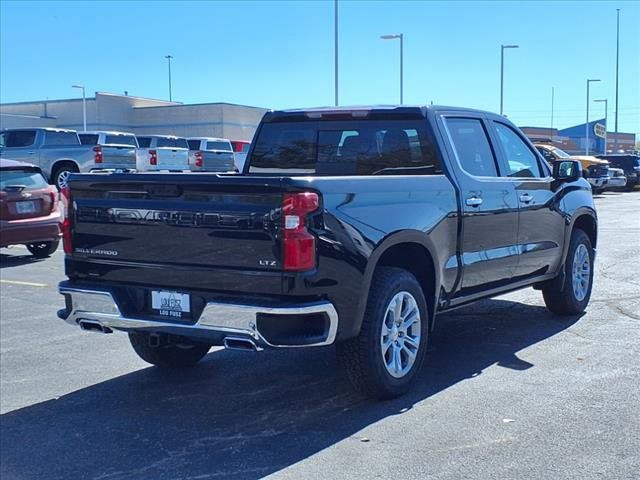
(26, 207)
(171, 304)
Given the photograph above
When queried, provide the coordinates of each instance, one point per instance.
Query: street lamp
(84, 107)
(502, 47)
(169, 57)
(606, 114)
(586, 127)
(394, 37)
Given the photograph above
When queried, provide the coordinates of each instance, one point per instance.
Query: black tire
(62, 171)
(171, 353)
(43, 249)
(597, 191)
(362, 357)
(559, 295)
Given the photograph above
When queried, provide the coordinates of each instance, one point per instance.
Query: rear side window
(28, 178)
(226, 146)
(144, 142)
(172, 142)
(520, 160)
(88, 138)
(19, 138)
(60, 138)
(194, 144)
(328, 148)
(472, 146)
(120, 140)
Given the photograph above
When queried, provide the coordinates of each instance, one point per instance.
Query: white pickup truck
(113, 150)
(162, 152)
(57, 152)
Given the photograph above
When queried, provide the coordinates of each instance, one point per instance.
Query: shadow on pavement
(245, 415)
(7, 261)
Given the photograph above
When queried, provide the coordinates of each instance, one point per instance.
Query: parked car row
(604, 172)
(61, 152)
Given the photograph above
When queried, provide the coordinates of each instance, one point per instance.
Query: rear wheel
(167, 351)
(383, 360)
(43, 249)
(61, 174)
(569, 294)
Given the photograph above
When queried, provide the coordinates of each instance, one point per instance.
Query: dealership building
(107, 111)
(573, 140)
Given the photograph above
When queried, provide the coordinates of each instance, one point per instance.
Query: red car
(29, 209)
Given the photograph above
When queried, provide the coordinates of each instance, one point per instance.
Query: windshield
(560, 153)
(326, 148)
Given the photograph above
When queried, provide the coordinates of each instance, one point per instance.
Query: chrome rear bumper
(217, 321)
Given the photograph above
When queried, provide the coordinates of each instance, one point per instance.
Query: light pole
(84, 107)
(335, 47)
(606, 114)
(586, 127)
(617, 61)
(169, 57)
(552, 100)
(502, 47)
(394, 37)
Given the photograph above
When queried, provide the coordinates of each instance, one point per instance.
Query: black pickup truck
(347, 226)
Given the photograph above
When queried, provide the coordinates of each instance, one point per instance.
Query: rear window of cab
(345, 147)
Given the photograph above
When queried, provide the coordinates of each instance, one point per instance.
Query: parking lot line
(18, 282)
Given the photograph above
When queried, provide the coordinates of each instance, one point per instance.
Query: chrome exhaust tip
(237, 343)
(91, 326)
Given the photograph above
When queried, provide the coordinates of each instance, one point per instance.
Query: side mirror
(567, 170)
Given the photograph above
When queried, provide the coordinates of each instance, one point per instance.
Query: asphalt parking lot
(509, 391)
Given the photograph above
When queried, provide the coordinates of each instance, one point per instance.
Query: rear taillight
(153, 157)
(198, 157)
(97, 154)
(299, 251)
(65, 227)
(54, 197)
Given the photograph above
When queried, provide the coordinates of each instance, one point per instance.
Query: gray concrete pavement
(509, 391)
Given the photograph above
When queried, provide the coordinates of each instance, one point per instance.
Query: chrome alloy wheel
(581, 272)
(400, 335)
(63, 178)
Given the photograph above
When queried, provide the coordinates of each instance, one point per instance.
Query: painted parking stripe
(18, 282)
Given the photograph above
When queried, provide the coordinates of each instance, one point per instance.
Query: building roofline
(201, 104)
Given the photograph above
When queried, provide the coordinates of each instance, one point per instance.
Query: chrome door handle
(474, 201)
(526, 198)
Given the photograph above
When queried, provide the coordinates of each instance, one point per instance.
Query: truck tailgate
(121, 156)
(178, 220)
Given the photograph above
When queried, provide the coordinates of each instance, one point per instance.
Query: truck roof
(44, 129)
(365, 111)
(106, 132)
(209, 139)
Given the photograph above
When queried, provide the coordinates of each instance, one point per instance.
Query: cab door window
(472, 146)
(519, 160)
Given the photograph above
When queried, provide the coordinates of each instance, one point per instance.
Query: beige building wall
(138, 115)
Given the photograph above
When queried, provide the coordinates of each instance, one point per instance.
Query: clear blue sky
(280, 54)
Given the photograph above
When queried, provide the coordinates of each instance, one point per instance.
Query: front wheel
(167, 351)
(43, 249)
(383, 360)
(569, 294)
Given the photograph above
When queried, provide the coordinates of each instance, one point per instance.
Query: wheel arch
(61, 163)
(412, 251)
